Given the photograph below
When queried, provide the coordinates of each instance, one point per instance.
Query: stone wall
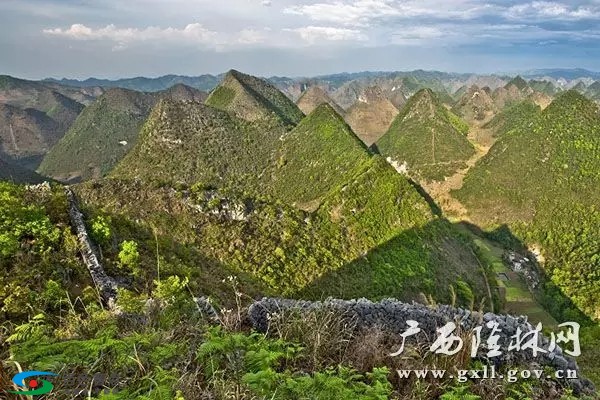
(105, 285)
(391, 316)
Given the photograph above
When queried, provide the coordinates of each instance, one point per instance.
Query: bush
(129, 257)
(100, 230)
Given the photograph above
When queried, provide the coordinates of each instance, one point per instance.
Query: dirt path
(482, 140)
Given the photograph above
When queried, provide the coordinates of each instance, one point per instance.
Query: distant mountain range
(207, 82)
(564, 73)
(143, 84)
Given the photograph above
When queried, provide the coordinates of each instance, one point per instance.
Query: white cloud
(362, 22)
(363, 12)
(549, 10)
(314, 34)
(193, 33)
(356, 12)
(253, 36)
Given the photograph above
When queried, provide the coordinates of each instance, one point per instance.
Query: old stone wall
(392, 315)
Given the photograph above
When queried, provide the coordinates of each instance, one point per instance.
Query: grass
(221, 97)
(513, 117)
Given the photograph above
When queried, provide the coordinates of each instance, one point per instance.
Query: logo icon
(34, 386)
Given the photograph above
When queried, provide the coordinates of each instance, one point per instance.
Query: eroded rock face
(391, 315)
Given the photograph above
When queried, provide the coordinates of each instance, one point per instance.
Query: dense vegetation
(543, 178)
(519, 82)
(427, 137)
(545, 87)
(92, 146)
(159, 346)
(105, 132)
(513, 117)
(319, 154)
(206, 146)
(286, 250)
(246, 197)
(252, 98)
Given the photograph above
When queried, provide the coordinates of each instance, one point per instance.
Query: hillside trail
(482, 139)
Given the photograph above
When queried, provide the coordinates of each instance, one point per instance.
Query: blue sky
(116, 38)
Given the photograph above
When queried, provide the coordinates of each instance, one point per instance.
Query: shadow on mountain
(425, 260)
(435, 209)
(374, 149)
(29, 162)
(265, 103)
(501, 235)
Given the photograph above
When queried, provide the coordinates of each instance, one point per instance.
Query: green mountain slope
(100, 137)
(545, 87)
(513, 117)
(233, 188)
(319, 154)
(105, 132)
(428, 138)
(190, 142)
(159, 328)
(253, 98)
(290, 252)
(543, 178)
(519, 82)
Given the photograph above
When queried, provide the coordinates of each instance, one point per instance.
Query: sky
(126, 38)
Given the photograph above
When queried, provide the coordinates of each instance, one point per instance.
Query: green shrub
(129, 257)
(100, 230)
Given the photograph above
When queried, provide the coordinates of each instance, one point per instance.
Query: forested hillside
(543, 178)
(430, 140)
